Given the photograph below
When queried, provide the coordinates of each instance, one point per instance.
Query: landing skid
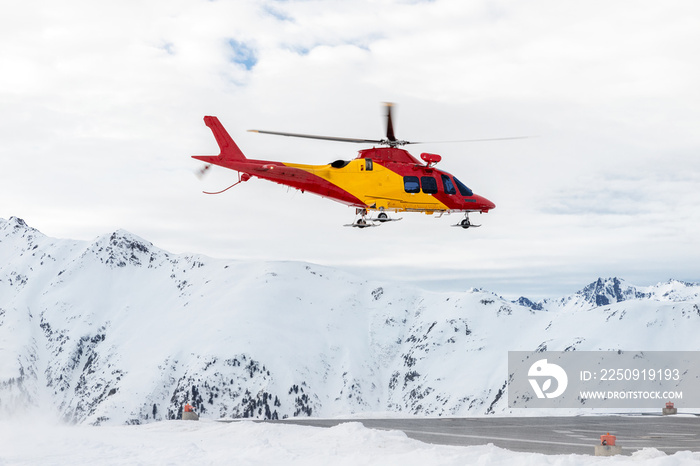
(465, 223)
(364, 221)
(468, 226)
(362, 224)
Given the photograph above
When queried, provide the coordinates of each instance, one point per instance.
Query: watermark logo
(603, 379)
(546, 372)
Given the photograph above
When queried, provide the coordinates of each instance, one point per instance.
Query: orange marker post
(607, 446)
(608, 439)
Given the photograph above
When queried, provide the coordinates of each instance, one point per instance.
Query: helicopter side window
(429, 184)
(369, 165)
(463, 190)
(410, 184)
(447, 185)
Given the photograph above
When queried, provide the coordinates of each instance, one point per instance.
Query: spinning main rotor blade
(471, 140)
(325, 138)
(389, 125)
(390, 140)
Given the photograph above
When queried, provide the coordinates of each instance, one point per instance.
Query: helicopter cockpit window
(368, 164)
(339, 163)
(463, 190)
(410, 184)
(447, 184)
(429, 184)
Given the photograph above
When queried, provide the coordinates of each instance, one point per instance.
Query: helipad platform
(549, 435)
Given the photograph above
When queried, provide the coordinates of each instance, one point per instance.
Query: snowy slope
(248, 443)
(119, 331)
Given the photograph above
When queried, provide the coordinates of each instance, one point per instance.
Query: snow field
(249, 443)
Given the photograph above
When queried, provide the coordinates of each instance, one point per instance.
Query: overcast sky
(101, 106)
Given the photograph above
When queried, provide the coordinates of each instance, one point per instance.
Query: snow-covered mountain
(119, 331)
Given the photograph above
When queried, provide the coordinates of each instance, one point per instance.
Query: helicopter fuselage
(380, 178)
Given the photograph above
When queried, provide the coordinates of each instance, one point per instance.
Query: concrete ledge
(189, 416)
(607, 450)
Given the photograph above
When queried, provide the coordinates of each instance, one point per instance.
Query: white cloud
(102, 105)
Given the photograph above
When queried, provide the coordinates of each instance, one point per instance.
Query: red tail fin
(229, 149)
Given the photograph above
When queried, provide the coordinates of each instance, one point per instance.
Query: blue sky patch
(169, 48)
(242, 54)
(276, 13)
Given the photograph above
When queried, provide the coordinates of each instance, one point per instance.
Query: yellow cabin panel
(379, 186)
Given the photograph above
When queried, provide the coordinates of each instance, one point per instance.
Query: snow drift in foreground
(201, 443)
(117, 331)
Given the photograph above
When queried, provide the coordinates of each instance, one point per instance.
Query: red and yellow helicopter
(380, 179)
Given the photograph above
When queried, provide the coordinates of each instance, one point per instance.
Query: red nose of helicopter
(484, 203)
